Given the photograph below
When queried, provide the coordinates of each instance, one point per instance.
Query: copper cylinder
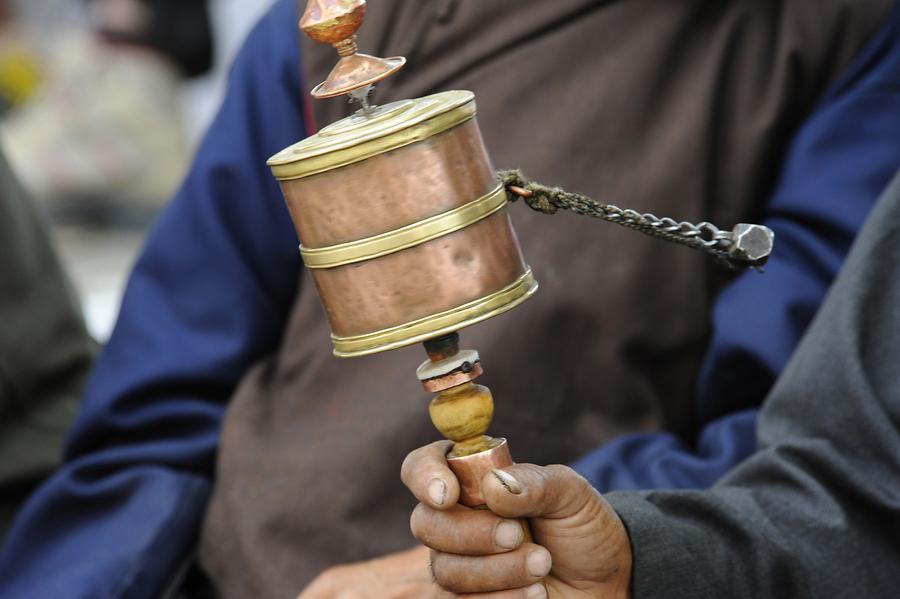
(403, 223)
(471, 469)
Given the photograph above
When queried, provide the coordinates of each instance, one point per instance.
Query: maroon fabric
(677, 108)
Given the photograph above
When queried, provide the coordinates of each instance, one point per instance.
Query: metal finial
(335, 22)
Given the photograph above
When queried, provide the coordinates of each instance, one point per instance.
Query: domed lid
(374, 131)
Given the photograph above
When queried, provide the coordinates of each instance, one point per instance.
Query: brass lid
(367, 133)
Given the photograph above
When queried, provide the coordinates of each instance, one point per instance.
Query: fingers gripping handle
(470, 471)
(462, 412)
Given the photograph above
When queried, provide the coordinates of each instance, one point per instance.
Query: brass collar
(405, 237)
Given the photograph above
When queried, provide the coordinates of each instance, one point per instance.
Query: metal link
(746, 246)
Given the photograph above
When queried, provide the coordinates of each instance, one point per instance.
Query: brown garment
(681, 108)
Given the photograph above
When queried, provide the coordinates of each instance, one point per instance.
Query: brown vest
(681, 108)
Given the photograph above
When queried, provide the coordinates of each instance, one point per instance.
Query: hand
(580, 548)
(402, 575)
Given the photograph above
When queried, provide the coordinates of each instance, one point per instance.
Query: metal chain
(746, 246)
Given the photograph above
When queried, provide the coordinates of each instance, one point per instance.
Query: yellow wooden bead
(463, 412)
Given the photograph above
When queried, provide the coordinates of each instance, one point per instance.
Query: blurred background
(102, 103)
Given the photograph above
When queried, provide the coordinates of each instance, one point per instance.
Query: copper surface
(470, 471)
(453, 379)
(521, 191)
(430, 278)
(439, 323)
(355, 71)
(381, 301)
(391, 190)
(408, 236)
(335, 22)
(332, 21)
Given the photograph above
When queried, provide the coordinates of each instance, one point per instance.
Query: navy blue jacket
(211, 294)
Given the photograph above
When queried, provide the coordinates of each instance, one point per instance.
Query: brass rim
(437, 324)
(313, 165)
(405, 237)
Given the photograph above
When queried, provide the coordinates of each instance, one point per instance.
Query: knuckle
(407, 468)
(419, 461)
(563, 472)
(568, 478)
(418, 523)
(440, 571)
(566, 491)
(449, 574)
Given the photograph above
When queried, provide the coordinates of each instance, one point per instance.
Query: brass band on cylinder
(438, 324)
(406, 237)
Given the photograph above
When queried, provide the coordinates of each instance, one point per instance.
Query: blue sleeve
(210, 295)
(840, 161)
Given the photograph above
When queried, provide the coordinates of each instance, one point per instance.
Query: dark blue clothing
(212, 292)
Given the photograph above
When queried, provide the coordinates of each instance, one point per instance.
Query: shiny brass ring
(438, 324)
(405, 237)
(286, 167)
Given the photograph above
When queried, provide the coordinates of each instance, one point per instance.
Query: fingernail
(437, 491)
(536, 591)
(508, 534)
(538, 563)
(509, 483)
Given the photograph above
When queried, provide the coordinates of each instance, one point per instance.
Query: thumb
(588, 542)
(529, 491)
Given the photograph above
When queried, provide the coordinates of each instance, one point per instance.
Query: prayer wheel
(404, 228)
(403, 223)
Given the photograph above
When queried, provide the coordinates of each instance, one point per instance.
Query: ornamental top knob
(336, 22)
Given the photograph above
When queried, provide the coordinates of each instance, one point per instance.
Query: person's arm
(814, 512)
(207, 298)
(839, 162)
